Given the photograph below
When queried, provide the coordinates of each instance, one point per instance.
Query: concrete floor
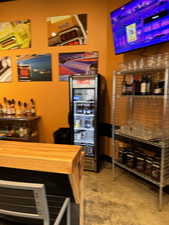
(128, 200)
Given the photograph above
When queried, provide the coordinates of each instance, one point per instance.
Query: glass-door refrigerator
(84, 110)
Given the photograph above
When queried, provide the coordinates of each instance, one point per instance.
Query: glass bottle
(13, 110)
(19, 109)
(5, 105)
(143, 85)
(25, 108)
(158, 86)
(137, 85)
(1, 110)
(149, 85)
(33, 108)
(8, 110)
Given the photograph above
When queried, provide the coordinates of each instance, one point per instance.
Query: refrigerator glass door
(84, 118)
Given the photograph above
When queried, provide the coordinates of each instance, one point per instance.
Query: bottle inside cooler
(78, 108)
(84, 136)
(89, 150)
(83, 95)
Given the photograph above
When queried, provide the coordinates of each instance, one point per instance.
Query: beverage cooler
(85, 95)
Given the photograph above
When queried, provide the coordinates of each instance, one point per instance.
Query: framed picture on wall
(67, 30)
(77, 63)
(15, 34)
(34, 67)
(5, 69)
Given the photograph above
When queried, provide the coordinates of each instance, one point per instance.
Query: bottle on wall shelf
(143, 86)
(158, 87)
(5, 105)
(11, 107)
(25, 108)
(13, 110)
(149, 85)
(19, 108)
(1, 109)
(33, 108)
(8, 110)
(137, 85)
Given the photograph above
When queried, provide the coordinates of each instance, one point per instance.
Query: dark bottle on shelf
(124, 86)
(136, 85)
(130, 160)
(158, 87)
(156, 170)
(161, 84)
(25, 108)
(123, 155)
(149, 85)
(143, 86)
(140, 162)
(148, 165)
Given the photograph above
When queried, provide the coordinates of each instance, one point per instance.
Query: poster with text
(5, 69)
(77, 63)
(15, 35)
(67, 30)
(34, 67)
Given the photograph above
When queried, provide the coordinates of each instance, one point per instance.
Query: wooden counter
(55, 158)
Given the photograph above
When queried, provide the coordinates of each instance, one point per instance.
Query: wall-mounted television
(140, 23)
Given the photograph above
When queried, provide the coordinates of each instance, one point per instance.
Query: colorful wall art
(34, 67)
(76, 63)
(67, 30)
(5, 69)
(15, 35)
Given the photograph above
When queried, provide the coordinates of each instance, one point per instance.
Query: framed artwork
(76, 63)
(5, 69)
(15, 35)
(34, 67)
(67, 30)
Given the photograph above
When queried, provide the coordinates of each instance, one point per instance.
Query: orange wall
(52, 97)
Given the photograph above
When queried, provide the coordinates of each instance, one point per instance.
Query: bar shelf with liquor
(140, 115)
(18, 121)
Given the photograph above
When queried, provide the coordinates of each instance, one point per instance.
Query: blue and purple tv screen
(140, 23)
